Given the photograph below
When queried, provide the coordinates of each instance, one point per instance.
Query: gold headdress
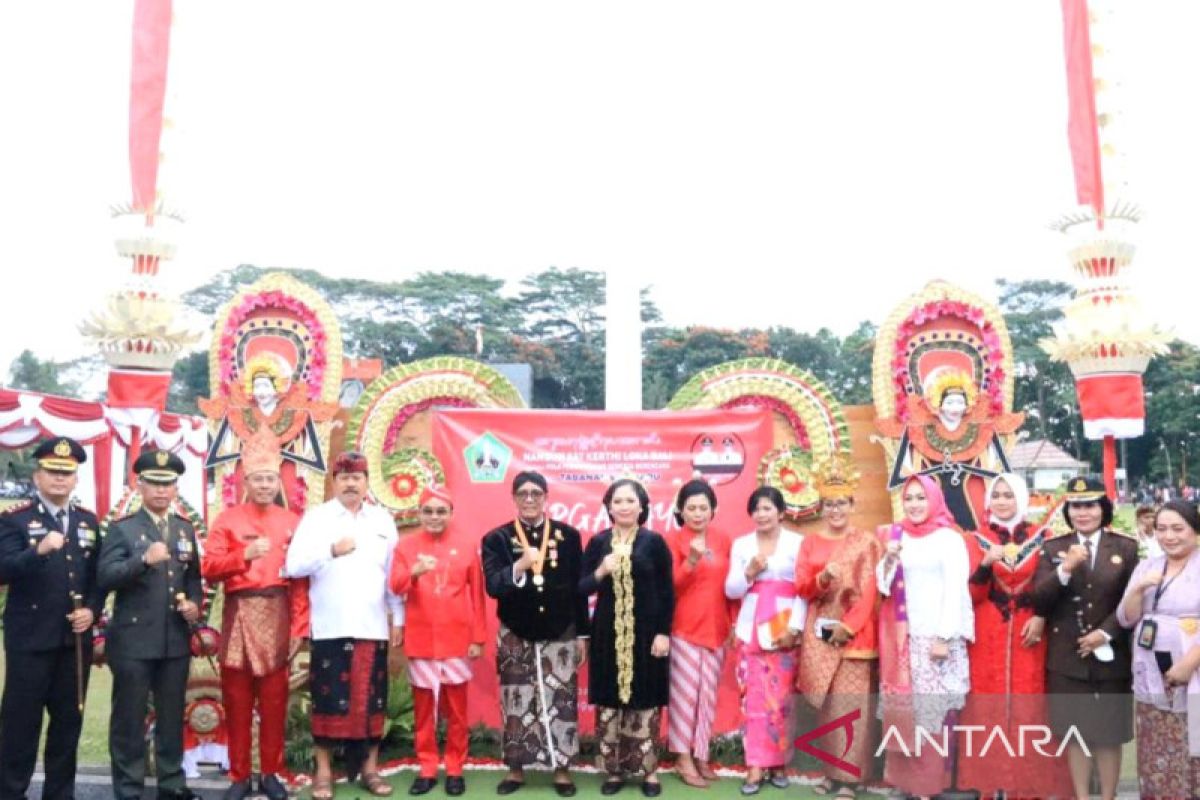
(836, 477)
(949, 382)
(268, 366)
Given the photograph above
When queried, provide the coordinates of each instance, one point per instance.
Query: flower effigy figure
(951, 437)
(267, 405)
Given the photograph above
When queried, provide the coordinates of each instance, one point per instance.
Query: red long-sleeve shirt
(224, 556)
(444, 608)
(703, 615)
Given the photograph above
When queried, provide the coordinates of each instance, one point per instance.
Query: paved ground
(95, 783)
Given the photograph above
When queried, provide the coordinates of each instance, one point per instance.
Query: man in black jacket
(152, 563)
(48, 559)
(531, 566)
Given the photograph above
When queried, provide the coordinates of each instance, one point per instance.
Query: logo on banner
(487, 459)
(718, 457)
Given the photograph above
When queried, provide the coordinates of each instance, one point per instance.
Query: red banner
(580, 453)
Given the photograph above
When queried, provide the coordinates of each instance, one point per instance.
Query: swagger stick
(76, 604)
(194, 627)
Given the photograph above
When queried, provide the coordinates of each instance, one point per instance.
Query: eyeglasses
(435, 512)
(530, 494)
(836, 504)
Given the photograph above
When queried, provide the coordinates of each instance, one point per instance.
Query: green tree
(189, 381)
(561, 335)
(1171, 446)
(672, 356)
(32, 374)
(1044, 389)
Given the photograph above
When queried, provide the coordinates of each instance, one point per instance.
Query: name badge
(1147, 634)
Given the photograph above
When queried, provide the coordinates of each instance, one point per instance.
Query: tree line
(554, 321)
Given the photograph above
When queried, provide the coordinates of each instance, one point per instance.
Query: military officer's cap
(159, 466)
(60, 455)
(1084, 490)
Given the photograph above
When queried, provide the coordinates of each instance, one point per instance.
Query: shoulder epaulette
(1126, 534)
(1051, 533)
(78, 506)
(20, 505)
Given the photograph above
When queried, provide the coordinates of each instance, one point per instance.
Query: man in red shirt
(439, 577)
(264, 621)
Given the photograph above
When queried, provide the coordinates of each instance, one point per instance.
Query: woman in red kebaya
(1008, 656)
(699, 630)
(441, 581)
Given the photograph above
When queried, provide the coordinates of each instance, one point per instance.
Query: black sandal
(826, 786)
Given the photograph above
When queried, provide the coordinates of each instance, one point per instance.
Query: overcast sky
(767, 163)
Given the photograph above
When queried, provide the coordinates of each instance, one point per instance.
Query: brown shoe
(692, 779)
(706, 771)
(376, 785)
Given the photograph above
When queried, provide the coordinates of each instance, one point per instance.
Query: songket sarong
(538, 700)
(848, 689)
(255, 626)
(695, 678)
(348, 679)
(628, 740)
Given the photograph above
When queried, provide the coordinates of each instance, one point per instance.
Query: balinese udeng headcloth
(350, 461)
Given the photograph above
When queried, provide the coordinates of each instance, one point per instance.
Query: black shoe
(565, 789)
(508, 786)
(182, 794)
(422, 785)
(612, 786)
(272, 787)
(455, 785)
(651, 788)
(237, 790)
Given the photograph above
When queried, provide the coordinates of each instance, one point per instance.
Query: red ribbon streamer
(147, 90)
(1083, 133)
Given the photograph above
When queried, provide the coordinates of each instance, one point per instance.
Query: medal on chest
(539, 563)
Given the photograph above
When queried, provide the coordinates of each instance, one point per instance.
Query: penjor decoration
(1106, 338)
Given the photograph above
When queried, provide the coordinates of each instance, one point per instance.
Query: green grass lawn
(482, 783)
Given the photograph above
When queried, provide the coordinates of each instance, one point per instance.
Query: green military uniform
(148, 640)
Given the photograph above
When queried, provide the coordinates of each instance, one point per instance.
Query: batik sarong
(538, 700)
(628, 740)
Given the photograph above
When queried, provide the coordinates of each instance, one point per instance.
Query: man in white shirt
(344, 547)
